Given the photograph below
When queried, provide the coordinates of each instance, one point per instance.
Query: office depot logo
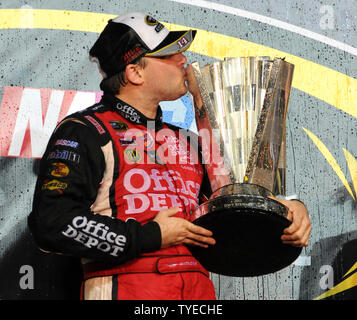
(28, 117)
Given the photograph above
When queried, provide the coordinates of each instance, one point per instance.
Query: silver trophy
(241, 124)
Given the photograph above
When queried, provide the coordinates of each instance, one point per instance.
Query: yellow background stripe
(53, 19)
(343, 286)
(354, 267)
(330, 159)
(352, 166)
(328, 85)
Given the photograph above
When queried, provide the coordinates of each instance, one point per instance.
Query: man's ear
(134, 74)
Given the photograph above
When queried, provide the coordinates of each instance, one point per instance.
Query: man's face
(166, 76)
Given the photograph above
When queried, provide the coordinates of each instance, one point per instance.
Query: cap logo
(182, 42)
(131, 55)
(153, 22)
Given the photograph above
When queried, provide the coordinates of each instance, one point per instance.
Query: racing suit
(107, 171)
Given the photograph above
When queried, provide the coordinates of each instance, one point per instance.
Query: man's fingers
(297, 243)
(300, 239)
(193, 87)
(199, 230)
(299, 224)
(202, 239)
(176, 231)
(293, 227)
(199, 241)
(195, 243)
(290, 215)
(199, 234)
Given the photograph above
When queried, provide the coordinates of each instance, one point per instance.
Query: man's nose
(181, 58)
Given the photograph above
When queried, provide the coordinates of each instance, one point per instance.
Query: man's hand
(175, 231)
(193, 87)
(297, 234)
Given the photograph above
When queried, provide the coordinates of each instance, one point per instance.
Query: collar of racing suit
(131, 114)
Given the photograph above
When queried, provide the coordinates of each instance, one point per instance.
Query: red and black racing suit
(107, 171)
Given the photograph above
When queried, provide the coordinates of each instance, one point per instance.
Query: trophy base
(247, 229)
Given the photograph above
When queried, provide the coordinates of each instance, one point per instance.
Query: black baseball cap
(133, 35)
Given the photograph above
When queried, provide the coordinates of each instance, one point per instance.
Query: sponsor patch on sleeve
(64, 155)
(59, 169)
(96, 124)
(54, 185)
(66, 143)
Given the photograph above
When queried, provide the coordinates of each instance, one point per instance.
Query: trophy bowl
(242, 128)
(247, 226)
